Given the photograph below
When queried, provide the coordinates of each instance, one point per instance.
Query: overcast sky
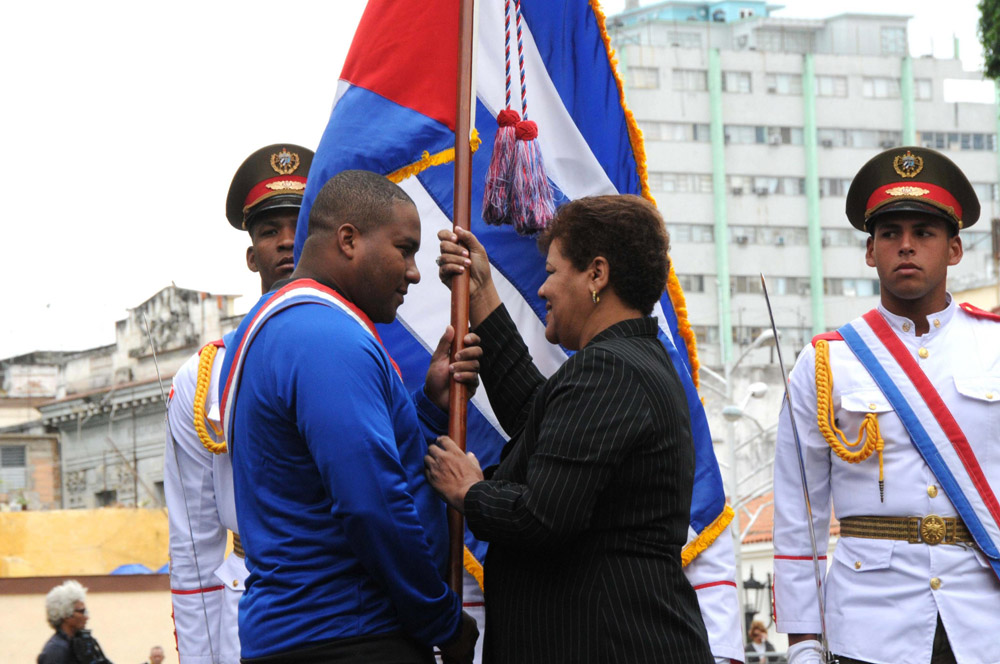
(123, 123)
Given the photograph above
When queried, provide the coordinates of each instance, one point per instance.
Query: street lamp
(753, 593)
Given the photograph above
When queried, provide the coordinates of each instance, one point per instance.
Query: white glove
(806, 652)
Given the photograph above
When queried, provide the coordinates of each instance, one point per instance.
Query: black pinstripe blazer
(588, 510)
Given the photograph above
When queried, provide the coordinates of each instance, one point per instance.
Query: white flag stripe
(661, 318)
(569, 162)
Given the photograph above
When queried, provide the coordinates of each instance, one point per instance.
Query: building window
(736, 81)
(955, 141)
(850, 287)
(788, 41)
(706, 334)
(923, 89)
(681, 183)
(784, 84)
(784, 135)
(653, 130)
(690, 80)
(692, 283)
(843, 237)
(744, 284)
(893, 41)
(831, 86)
(834, 186)
(13, 468)
(742, 134)
(976, 241)
(831, 138)
(764, 185)
(644, 78)
(985, 191)
(684, 39)
(880, 87)
(106, 498)
(688, 233)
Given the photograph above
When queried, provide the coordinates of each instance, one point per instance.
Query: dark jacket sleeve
(507, 370)
(594, 414)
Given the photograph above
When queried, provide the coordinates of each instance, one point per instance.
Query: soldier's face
(911, 253)
(273, 236)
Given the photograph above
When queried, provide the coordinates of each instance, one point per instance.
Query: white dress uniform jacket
(883, 597)
(205, 584)
(712, 574)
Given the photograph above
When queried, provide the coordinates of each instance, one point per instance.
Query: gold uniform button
(872, 406)
(857, 564)
(932, 491)
(989, 395)
(906, 327)
(236, 583)
(937, 323)
(935, 583)
(923, 353)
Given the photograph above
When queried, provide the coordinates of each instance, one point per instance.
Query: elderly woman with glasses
(587, 512)
(67, 614)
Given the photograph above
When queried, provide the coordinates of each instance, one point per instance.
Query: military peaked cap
(272, 177)
(913, 179)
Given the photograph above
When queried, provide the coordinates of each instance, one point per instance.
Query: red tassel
(497, 192)
(531, 204)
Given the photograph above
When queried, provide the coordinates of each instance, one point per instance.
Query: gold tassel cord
(201, 401)
(707, 536)
(869, 435)
(473, 566)
(427, 160)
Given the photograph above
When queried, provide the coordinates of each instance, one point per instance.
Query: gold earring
(594, 297)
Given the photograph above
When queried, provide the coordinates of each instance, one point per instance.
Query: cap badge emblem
(908, 164)
(284, 162)
(916, 192)
(285, 185)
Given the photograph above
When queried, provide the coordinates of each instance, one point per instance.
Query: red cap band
(282, 184)
(923, 192)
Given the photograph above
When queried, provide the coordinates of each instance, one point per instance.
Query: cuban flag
(394, 113)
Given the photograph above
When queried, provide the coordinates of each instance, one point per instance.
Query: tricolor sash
(932, 427)
(300, 291)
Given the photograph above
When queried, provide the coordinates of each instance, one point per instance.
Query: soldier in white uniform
(898, 414)
(206, 585)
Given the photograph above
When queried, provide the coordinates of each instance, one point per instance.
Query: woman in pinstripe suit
(587, 512)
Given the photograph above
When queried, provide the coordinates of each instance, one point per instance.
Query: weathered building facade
(103, 408)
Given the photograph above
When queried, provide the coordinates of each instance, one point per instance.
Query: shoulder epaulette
(218, 343)
(979, 313)
(827, 336)
(206, 357)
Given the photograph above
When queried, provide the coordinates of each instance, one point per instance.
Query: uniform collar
(905, 327)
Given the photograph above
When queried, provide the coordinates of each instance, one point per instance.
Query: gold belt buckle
(932, 529)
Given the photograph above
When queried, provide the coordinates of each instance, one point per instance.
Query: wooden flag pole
(458, 400)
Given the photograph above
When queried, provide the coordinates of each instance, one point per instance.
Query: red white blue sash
(932, 427)
(300, 291)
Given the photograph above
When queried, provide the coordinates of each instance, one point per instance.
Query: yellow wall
(984, 297)
(81, 542)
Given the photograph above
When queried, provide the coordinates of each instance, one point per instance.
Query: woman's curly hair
(628, 232)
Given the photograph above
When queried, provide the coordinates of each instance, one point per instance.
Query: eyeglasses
(83, 611)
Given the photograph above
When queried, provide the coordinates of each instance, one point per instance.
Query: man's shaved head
(360, 198)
